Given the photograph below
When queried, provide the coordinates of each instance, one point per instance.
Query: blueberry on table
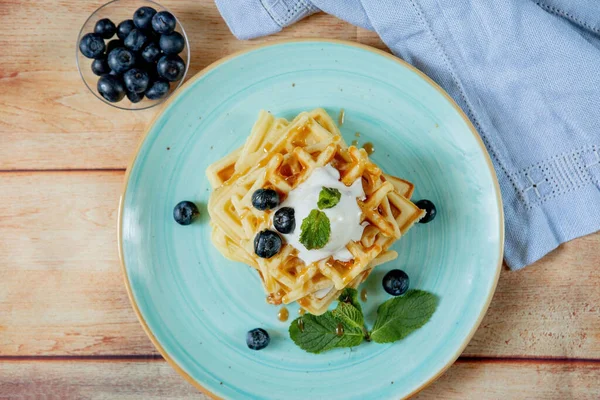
(184, 212)
(92, 45)
(124, 28)
(267, 243)
(265, 199)
(135, 97)
(429, 208)
(111, 88)
(136, 40)
(284, 220)
(142, 17)
(100, 66)
(158, 90)
(163, 22)
(121, 60)
(257, 339)
(172, 43)
(113, 44)
(151, 52)
(396, 282)
(105, 28)
(136, 80)
(171, 67)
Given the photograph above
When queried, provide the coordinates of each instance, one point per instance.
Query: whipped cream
(344, 217)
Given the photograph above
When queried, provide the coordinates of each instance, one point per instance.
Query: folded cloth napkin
(527, 74)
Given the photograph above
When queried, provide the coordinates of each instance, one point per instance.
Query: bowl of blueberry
(132, 54)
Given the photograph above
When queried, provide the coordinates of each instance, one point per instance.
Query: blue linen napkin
(526, 73)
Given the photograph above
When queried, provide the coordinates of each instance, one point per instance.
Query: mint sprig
(398, 317)
(328, 198)
(344, 326)
(315, 230)
(336, 328)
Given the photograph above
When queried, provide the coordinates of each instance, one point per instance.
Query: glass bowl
(117, 11)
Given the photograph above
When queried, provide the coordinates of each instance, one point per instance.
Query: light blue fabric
(526, 73)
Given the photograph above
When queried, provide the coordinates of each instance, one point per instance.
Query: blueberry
(113, 44)
(172, 43)
(136, 80)
(171, 67)
(284, 220)
(163, 22)
(100, 67)
(142, 17)
(158, 90)
(136, 40)
(111, 88)
(121, 60)
(267, 243)
(92, 45)
(124, 28)
(265, 199)
(396, 282)
(184, 212)
(429, 208)
(135, 97)
(257, 339)
(151, 52)
(105, 28)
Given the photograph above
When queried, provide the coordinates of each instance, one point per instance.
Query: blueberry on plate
(92, 45)
(136, 80)
(158, 90)
(100, 66)
(429, 208)
(151, 52)
(163, 22)
(284, 220)
(265, 199)
(121, 60)
(113, 44)
(172, 43)
(257, 339)
(184, 212)
(111, 88)
(396, 282)
(136, 40)
(267, 243)
(105, 28)
(135, 97)
(142, 17)
(171, 67)
(124, 28)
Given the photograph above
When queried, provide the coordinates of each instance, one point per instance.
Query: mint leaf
(398, 317)
(350, 296)
(315, 230)
(319, 333)
(328, 198)
(349, 315)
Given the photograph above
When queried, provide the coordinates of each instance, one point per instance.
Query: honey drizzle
(341, 117)
(363, 295)
(339, 330)
(283, 314)
(369, 148)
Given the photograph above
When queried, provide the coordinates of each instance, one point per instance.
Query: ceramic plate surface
(196, 306)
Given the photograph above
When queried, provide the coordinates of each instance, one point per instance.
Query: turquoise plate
(196, 306)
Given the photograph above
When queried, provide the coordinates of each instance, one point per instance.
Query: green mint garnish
(344, 326)
(328, 198)
(350, 296)
(315, 230)
(398, 317)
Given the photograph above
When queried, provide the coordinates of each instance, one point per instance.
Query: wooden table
(67, 330)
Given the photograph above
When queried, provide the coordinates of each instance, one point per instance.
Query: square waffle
(280, 155)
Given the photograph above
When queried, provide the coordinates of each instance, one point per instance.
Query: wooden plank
(46, 112)
(157, 380)
(63, 293)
